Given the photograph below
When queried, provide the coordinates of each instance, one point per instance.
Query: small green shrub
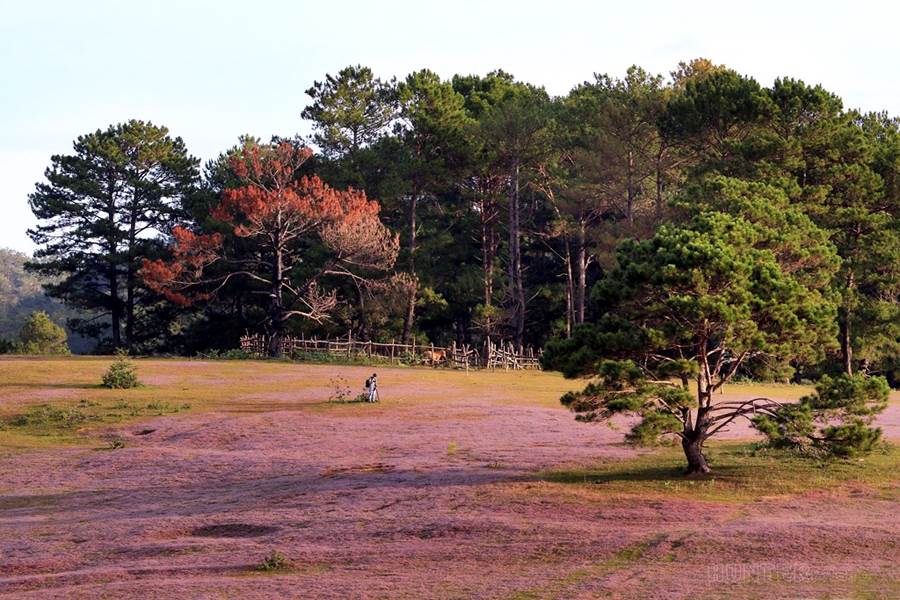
(276, 561)
(116, 444)
(122, 374)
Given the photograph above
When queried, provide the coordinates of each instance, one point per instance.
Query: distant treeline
(21, 295)
(498, 208)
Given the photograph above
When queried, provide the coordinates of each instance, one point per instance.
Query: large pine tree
(99, 211)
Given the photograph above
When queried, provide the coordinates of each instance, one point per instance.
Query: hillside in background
(21, 293)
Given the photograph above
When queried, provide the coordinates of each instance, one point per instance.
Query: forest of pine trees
(480, 206)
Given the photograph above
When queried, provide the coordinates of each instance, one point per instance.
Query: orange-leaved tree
(302, 232)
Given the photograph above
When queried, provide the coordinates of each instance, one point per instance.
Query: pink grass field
(436, 492)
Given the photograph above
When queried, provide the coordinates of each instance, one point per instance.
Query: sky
(213, 70)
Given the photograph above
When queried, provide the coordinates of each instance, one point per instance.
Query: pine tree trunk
(693, 451)
(410, 315)
(659, 188)
(846, 341)
(694, 434)
(115, 307)
(130, 284)
(129, 308)
(844, 322)
(113, 273)
(517, 291)
(570, 291)
(276, 306)
(487, 250)
(629, 209)
(581, 272)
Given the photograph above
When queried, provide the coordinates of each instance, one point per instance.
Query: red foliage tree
(282, 214)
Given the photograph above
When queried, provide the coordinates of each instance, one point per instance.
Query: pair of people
(372, 388)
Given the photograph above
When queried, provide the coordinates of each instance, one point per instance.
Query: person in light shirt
(372, 387)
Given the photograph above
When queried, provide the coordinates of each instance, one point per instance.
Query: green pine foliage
(836, 420)
(512, 206)
(96, 211)
(40, 335)
(122, 373)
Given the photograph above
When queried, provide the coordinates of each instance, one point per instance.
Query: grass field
(247, 479)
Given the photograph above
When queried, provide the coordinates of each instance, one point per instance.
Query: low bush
(276, 561)
(122, 374)
(234, 354)
(45, 416)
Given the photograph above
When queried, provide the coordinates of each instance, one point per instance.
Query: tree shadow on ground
(648, 473)
(54, 386)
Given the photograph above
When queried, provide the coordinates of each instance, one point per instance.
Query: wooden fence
(492, 356)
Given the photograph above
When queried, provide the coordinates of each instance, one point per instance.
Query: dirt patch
(233, 530)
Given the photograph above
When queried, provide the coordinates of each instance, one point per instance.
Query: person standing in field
(372, 387)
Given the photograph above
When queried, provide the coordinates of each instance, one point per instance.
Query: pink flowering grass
(369, 501)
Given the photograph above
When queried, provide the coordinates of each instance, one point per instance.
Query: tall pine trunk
(570, 290)
(489, 243)
(276, 304)
(488, 247)
(517, 287)
(130, 284)
(659, 187)
(410, 315)
(845, 318)
(115, 306)
(581, 272)
(113, 269)
(629, 209)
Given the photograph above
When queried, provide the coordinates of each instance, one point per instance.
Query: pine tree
(98, 211)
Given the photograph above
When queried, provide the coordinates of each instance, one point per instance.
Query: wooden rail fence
(491, 356)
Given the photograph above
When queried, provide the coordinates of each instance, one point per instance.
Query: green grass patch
(623, 558)
(49, 424)
(741, 472)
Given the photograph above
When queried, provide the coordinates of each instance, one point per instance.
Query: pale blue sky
(211, 70)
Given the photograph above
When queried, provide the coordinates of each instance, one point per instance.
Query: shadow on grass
(740, 472)
(55, 386)
(647, 473)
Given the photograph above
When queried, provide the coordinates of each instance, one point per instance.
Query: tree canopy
(101, 211)
(288, 220)
(508, 205)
